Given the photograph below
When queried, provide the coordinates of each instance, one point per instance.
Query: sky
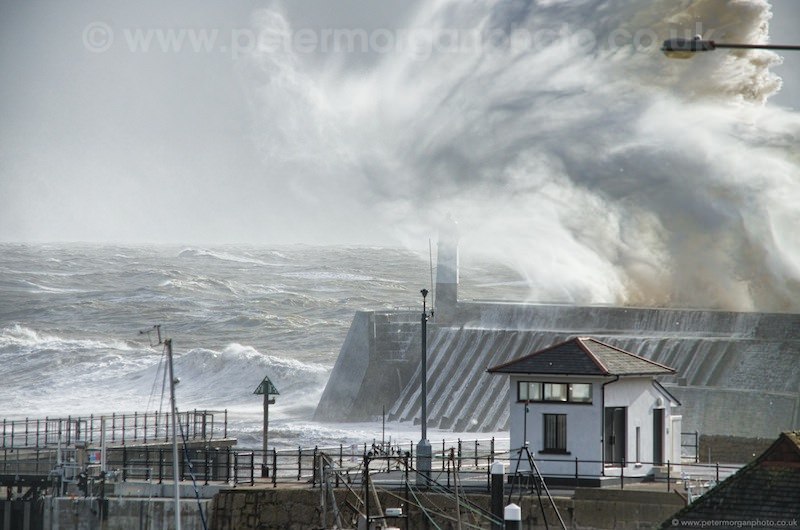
(106, 141)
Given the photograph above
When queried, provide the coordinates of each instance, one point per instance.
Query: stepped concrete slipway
(737, 373)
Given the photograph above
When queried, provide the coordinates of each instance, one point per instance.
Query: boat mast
(175, 466)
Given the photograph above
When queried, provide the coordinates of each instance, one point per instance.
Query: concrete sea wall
(738, 373)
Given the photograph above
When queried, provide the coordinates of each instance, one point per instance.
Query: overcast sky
(101, 143)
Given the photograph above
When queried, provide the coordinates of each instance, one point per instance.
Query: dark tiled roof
(582, 356)
(767, 489)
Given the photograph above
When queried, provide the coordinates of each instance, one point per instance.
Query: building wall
(585, 427)
(641, 398)
(583, 430)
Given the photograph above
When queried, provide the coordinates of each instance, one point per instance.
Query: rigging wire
(191, 473)
(155, 381)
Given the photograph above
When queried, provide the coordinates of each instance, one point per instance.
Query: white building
(587, 401)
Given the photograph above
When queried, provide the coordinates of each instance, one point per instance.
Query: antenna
(430, 255)
(157, 329)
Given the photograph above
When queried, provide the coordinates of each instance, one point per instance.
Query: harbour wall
(588, 509)
(737, 373)
(258, 508)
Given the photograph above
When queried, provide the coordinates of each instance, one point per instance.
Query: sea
(72, 316)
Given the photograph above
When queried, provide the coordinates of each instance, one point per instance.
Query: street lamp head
(424, 293)
(679, 48)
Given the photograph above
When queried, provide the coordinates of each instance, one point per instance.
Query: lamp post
(680, 48)
(424, 454)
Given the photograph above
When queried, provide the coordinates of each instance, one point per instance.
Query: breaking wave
(603, 173)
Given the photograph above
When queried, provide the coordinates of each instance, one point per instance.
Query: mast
(175, 466)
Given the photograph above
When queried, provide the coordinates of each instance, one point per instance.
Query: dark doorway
(658, 437)
(616, 434)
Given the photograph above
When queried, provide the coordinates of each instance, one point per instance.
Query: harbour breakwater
(737, 373)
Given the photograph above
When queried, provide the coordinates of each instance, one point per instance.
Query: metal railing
(690, 445)
(119, 429)
(469, 462)
(465, 461)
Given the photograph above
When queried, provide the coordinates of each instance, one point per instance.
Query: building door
(658, 437)
(616, 435)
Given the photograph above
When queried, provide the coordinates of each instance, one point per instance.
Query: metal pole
(175, 476)
(424, 453)
(424, 365)
(264, 466)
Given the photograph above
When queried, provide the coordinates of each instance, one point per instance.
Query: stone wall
(730, 449)
(300, 509)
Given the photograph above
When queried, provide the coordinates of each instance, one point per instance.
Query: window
(530, 391)
(555, 433)
(554, 392)
(580, 392)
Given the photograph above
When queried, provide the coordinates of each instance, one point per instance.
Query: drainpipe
(603, 423)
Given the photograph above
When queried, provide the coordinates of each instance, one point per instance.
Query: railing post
(160, 465)
(225, 434)
(341, 448)
(717, 466)
(69, 430)
(135, 426)
(4, 433)
(182, 467)
(314, 469)
(668, 475)
(274, 468)
(576, 472)
(46, 427)
(449, 461)
(406, 459)
(124, 463)
(205, 464)
(144, 431)
(444, 451)
(622, 475)
(37, 433)
(123, 429)
(228, 465)
(252, 468)
(26, 431)
(299, 462)
(491, 449)
(366, 487)
(476, 453)
(91, 428)
(459, 454)
(147, 462)
(235, 469)
(113, 427)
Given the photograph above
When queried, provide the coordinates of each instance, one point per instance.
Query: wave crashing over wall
(561, 138)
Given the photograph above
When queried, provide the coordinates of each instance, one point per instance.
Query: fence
(690, 446)
(467, 462)
(147, 427)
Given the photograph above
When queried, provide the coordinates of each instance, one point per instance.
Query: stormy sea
(70, 317)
